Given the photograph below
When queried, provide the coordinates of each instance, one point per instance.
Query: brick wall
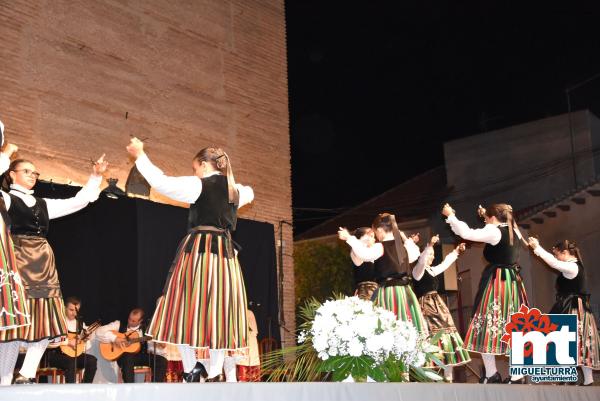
(185, 73)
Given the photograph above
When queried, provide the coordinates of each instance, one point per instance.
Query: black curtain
(115, 255)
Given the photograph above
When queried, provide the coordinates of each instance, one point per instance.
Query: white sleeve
(446, 263)
(419, 268)
(246, 194)
(363, 252)
(184, 189)
(4, 163)
(412, 250)
(568, 269)
(490, 234)
(355, 259)
(104, 335)
(62, 207)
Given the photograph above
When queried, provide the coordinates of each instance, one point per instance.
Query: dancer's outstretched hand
(10, 149)
(533, 242)
(434, 240)
(343, 234)
(481, 212)
(447, 210)
(100, 165)
(461, 248)
(135, 147)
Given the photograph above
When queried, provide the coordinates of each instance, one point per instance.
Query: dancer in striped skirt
(204, 299)
(392, 271)
(434, 308)
(501, 291)
(30, 217)
(572, 298)
(14, 312)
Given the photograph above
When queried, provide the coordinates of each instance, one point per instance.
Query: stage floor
(298, 392)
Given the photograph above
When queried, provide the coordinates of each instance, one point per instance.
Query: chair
(57, 375)
(145, 370)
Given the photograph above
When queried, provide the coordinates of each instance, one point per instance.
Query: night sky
(376, 87)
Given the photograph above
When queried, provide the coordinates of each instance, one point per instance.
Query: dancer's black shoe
(194, 375)
(495, 378)
(217, 379)
(20, 379)
(508, 380)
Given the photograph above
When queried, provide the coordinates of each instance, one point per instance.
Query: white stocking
(230, 369)
(448, 373)
(34, 354)
(588, 375)
(215, 366)
(9, 352)
(188, 357)
(489, 361)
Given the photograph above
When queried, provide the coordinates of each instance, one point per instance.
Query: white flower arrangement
(352, 336)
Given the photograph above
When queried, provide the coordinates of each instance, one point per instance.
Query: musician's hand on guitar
(71, 342)
(121, 342)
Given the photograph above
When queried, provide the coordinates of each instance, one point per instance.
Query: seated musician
(58, 359)
(128, 360)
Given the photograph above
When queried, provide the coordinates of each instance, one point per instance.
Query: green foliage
(321, 270)
(299, 363)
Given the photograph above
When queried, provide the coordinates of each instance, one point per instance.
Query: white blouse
(183, 189)
(363, 253)
(56, 207)
(420, 267)
(569, 269)
(490, 234)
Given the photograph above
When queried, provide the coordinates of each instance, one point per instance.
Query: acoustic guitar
(112, 352)
(82, 338)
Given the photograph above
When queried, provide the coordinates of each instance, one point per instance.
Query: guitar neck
(138, 339)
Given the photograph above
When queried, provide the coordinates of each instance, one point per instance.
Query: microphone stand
(78, 328)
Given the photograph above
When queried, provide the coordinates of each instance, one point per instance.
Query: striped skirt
(48, 321)
(438, 319)
(402, 300)
(589, 342)
(204, 301)
(501, 293)
(14, 312)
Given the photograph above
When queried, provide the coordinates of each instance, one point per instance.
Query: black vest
(388, 265)
(427, 284)
(364, 272)
(576, 285)
(212, 208)
(503, 253)
(25, 220)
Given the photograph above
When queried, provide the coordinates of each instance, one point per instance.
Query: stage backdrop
(115, 255)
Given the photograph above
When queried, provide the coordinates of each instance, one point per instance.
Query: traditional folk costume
(572, 298)
(204, 299)
(501, 291)
(30, 217)
(391, 274)
(14, 311)
(436, 312)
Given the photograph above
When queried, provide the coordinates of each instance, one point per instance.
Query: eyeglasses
(29, 172)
